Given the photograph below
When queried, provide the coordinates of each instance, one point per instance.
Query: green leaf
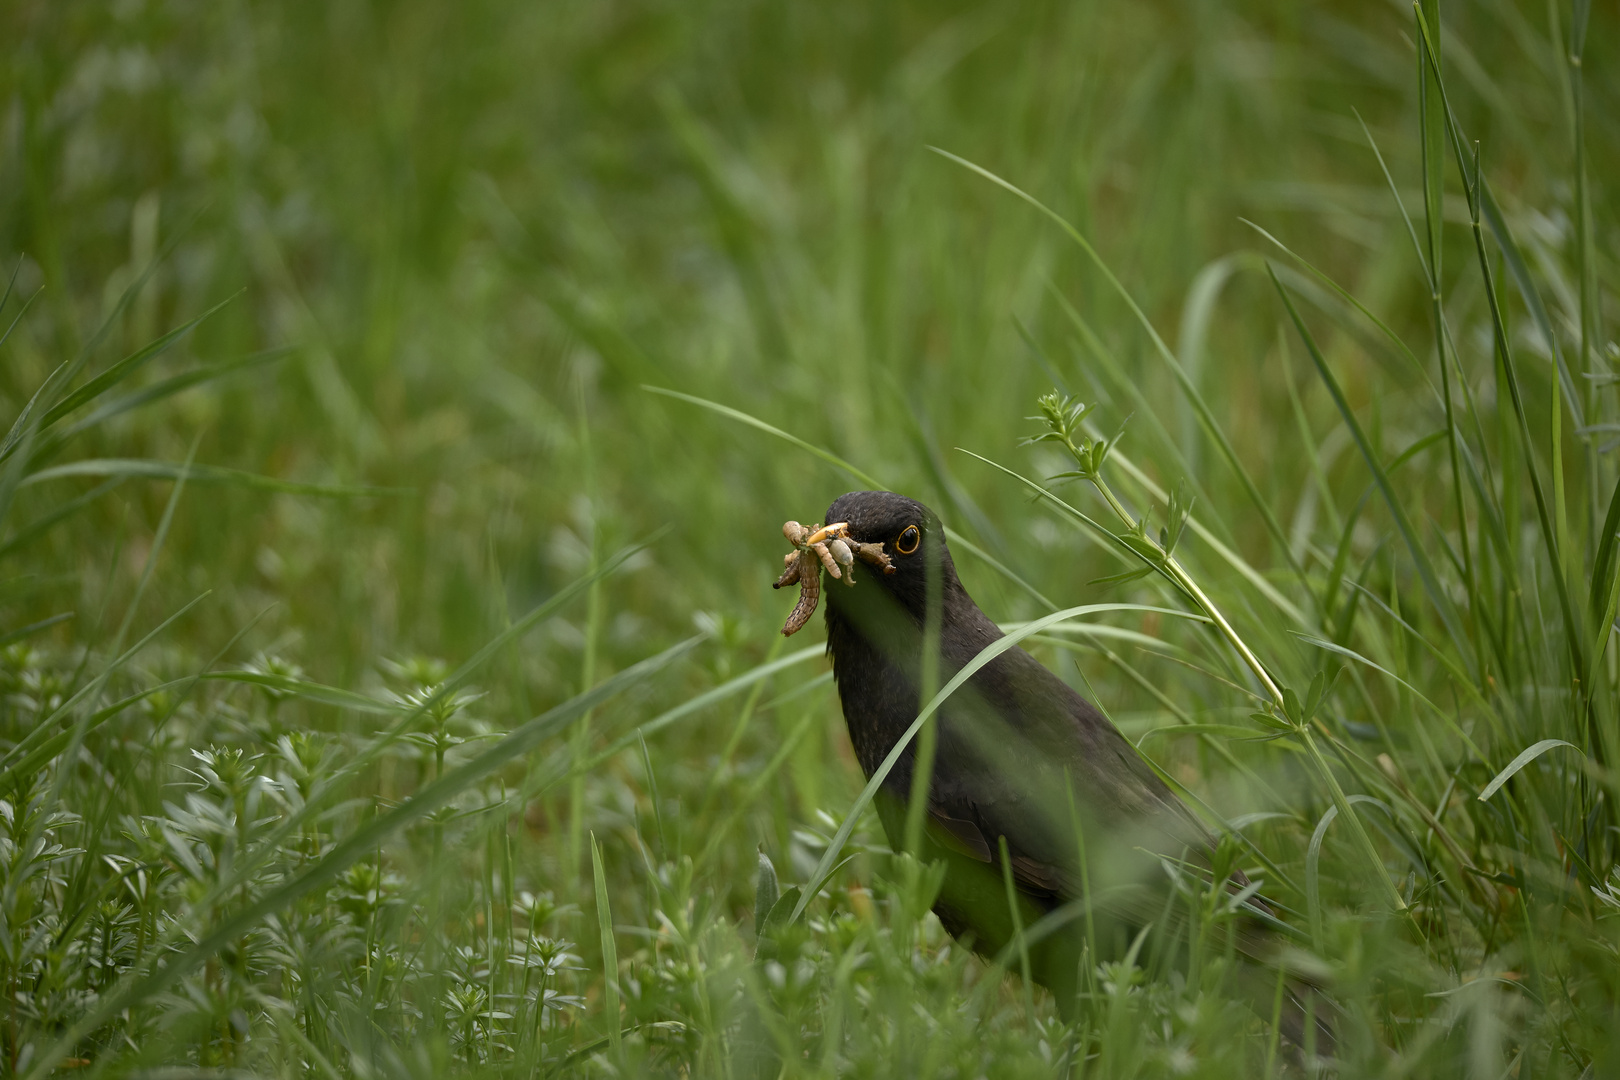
(124, 368)
(1224, 731)
(1321, 685)
(157, 391)
(766, 892)
(1180, 510)
(1122, 578)
(1270, 720)
(312, 691)
(781, 913)
(1525, 757)
(610, 950)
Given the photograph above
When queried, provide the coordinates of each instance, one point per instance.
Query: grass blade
(610, 951)
(311, 691)
(829, 858)
(1526, 756)
(41, 752)
(1351, 654)
(707, 698)
(1101, 531)
(33, 628)
(1486, 207)
(519, 741)
(21, 311)
(164, 388)
(58, 513)
(1549, 513)
(1431, 582)
(771, 429)
(1205, 416)
(124, 368)
(1313, 888)
(1605, 574)
(1347, 296)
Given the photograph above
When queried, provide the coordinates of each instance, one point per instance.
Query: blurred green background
(480, 229)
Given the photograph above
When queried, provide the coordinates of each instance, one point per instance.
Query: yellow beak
(828, 532)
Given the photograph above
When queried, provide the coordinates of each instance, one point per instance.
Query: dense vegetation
(392, 685)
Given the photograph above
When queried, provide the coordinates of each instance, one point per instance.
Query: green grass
(392, 685)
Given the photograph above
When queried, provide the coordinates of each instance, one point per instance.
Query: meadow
(403, 402)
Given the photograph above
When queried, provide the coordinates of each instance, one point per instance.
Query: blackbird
(1020, 759)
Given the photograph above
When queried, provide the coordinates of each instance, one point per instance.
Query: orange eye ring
(907, 541)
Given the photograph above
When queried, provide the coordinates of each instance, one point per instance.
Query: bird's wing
(1013, 748)
(1030, 875)
(959, 834)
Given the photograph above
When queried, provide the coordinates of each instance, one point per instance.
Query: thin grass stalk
(1111, 364)
(1206, 417)
(610, 952)
(1590, 307)
(581, 736)
(1062, 419)
(1018, 929)
(1431, 120)
(1324, 771)
(1574, 58)
(1518, 269)
(1553, 532)
(1425, 567)
(743, 805)
(1482, 204)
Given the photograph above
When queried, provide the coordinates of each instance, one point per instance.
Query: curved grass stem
(1063, 419)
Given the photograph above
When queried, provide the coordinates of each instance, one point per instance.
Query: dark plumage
(1012, 744)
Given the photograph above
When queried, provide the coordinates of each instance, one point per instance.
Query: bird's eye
(908, 540)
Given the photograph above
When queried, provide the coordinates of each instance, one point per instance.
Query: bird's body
(1021, 758)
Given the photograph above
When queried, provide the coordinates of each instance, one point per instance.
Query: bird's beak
(830, 532)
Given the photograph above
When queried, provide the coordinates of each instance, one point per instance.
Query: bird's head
(910, 533)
